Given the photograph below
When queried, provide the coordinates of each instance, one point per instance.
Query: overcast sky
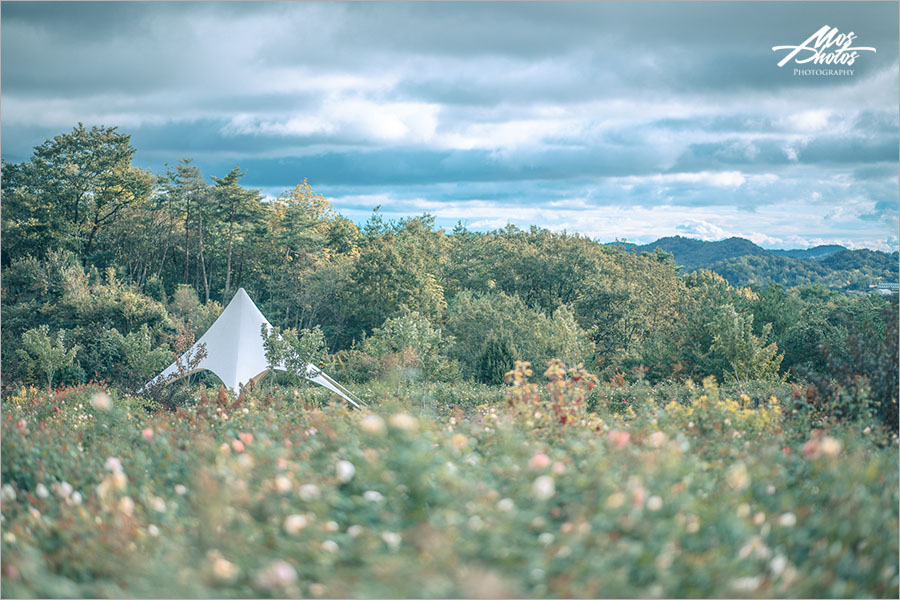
(617, 120)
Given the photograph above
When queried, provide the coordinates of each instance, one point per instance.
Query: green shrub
(46, 354)
(497, 358)
(410, 344)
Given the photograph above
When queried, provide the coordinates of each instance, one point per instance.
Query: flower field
(454, 490)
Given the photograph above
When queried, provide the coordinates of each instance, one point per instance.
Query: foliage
(472, 318)
(844, 270)
(496, 359)
(69, 193)
(45, 353)
(283, 497)
(749, 358)
(564, 402)
(410, 344)
(864, 385)
(295, 351)
(120, 261)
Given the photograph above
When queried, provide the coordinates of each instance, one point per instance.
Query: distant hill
(815, 252)
(692, 254)
(845, 270)
(742, 262)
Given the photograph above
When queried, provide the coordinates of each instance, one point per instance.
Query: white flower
(830, 446)
(787, 520)
(373, 496)
(118, 480)
(656, 439)
(283, 484)
(276, 575)
(345, 470)
(157, 504)
(372, 424)
(332, 526)
(101, 401)
(126, 506)
(354, 531)
(330, 546)
(293, 524)
(778, 564)
(404, 422)
(506, 505)
(180, 490)
(76, 498)
(392, 539)
(223, 569)
(654, 503)
(153, 530)
(309, 491)
(543, 487)
(41, 490)
(546, 538)
(9, 492)
(64, 489)
(475, 523)
(113, 465)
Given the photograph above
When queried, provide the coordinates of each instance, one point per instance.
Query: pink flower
(238, 445)
(539, 461)
(147, 434)
(247, 438)
(811, 448)
(20, 425)
(619, 439)
(638, 495)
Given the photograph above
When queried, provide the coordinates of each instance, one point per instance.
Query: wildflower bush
(443, 490)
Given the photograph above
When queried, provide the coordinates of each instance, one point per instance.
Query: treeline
(105, 263)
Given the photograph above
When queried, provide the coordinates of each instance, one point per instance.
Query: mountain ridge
(742, 262)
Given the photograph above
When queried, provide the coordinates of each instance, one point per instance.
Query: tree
(497, 358)
(185, 188)
(72, 188)
(237, 206)
(46, 353)
(747, 354)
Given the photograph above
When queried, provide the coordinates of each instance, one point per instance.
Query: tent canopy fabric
(235, 352)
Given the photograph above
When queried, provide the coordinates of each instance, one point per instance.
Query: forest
(744, 374)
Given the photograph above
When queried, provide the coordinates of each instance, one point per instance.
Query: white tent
(234, 351)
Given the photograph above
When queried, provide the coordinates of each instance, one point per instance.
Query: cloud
(540, 110)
